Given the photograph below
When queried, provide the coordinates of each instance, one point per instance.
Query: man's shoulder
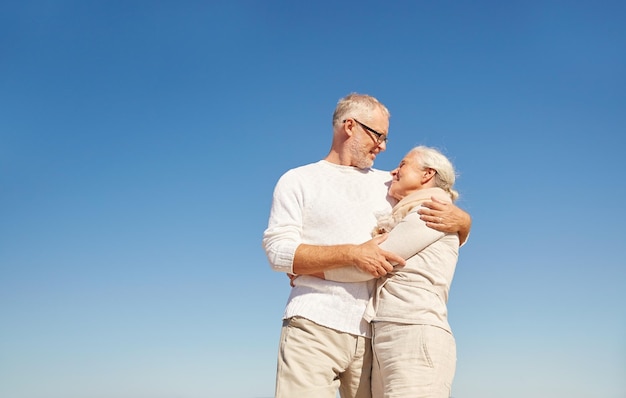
(308, 166)
(300, 174)
(303, 169)
(326, 170)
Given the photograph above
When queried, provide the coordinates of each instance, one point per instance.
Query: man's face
(364, 145)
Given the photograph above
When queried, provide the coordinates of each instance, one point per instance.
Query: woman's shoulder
(438, 193)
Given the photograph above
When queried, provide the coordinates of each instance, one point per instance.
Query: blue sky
(140, 142)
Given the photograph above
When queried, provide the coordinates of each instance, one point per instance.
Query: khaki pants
(314, 361)
(416, 361)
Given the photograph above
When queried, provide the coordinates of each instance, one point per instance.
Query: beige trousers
(315, 361)
(416, 361)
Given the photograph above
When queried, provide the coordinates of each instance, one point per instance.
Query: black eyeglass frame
(380, 137)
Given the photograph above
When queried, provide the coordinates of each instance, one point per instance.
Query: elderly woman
(414, 349)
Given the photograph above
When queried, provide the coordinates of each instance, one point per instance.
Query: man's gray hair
(359, 106)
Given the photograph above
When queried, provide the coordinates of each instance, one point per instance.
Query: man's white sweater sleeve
(284, 231)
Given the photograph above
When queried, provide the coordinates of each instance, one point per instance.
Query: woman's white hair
(431, 158)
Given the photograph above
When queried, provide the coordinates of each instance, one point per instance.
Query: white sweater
(325, 204)
(416, 293)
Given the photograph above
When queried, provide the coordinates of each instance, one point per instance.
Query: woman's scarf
(387, 221)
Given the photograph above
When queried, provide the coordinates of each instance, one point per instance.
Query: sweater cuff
(282, 261)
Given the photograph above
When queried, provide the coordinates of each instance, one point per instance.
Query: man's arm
(406, 239)
(367, 257)
(446, 217)
(282, 240)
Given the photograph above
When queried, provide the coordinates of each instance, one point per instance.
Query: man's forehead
(380, 120)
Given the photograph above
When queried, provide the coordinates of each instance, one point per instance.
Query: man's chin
(364, 164)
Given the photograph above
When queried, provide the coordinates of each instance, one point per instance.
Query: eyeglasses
(380, 137)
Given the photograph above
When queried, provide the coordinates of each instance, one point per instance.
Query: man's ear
(348, 125)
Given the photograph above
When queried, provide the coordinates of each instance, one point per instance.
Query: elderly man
(321, 218)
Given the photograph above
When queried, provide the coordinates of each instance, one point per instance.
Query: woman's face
(407, 178)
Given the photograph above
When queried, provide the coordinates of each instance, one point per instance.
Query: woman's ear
(428, 174)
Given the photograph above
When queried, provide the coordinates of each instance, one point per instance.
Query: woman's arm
(406, 239)
(411, 236)
(446, 217)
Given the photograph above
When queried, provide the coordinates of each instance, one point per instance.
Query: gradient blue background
(140, 142)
